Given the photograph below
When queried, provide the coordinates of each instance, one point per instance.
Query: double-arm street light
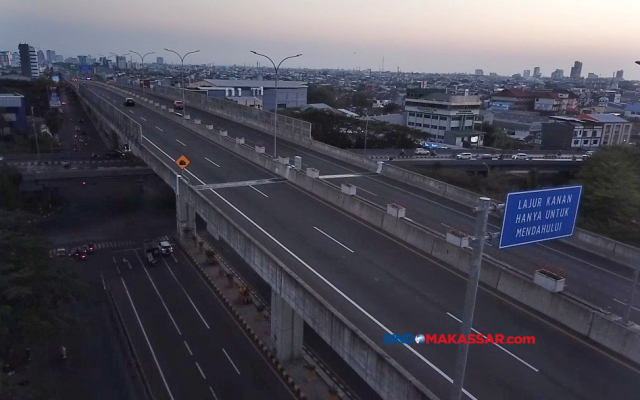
(184, 106)
(275, 112)
(142, 64)
(118, 56)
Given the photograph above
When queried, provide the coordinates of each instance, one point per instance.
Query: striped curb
(272, 358)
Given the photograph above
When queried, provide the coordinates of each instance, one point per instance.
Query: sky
(503, 36)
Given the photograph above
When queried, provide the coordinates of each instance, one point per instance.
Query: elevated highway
(341, 258)
(541, 165)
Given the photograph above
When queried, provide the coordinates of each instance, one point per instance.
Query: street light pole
(275, 112)
(118, 55)
(33, 123)
(366, 131)
(142, 66)
(184, 106)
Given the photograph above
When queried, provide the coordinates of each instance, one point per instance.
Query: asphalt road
(394, 285)
(596, 279)
(189, 345)
(73, 113)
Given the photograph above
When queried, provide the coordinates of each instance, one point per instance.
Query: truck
(152, 252)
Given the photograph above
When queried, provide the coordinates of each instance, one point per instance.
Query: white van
(421, 150)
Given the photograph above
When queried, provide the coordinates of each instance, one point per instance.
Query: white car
(520, 156)
(421, 150)
(464, 156)
(165, 247)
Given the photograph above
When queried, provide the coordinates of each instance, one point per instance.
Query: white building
(436, 112)
(15, 60)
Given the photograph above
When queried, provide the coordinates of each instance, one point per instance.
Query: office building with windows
(28, 60)
(435, 111)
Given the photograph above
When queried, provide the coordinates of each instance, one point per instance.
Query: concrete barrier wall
(585, 240)
(368, 360)
(557, 306)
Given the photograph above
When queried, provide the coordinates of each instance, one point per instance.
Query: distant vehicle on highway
(520, 156)
(464, 156)
(177, 105)
(129, 102)
(421, 150)
(165, 248)
(485, 156)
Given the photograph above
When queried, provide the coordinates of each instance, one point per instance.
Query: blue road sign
(539, 215)
(85, 68)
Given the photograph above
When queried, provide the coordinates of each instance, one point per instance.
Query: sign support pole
(627, 312)
(483, 209)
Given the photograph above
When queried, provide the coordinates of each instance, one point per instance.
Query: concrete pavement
(190, 347)
(303, 232)
(593, 278)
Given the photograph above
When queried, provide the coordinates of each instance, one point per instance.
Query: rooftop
(633, 107)
(518, 116)
(255, 83)
(609, 118)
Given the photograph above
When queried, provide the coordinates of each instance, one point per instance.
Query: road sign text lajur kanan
(539, 215)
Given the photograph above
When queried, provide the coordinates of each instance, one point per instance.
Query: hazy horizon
(499, 36)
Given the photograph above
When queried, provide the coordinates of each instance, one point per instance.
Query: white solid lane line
(130, 111)
(366, 191)
(334, 287)
(153, 353)
(160, 296)
(159, 149)
(143, 119)
(212, 162)
(231, 361)
(498, 346)
(327, 235)
(213, 393)
(621, 302)
(159, 129)
(177, 140)
(200, 369)
(186, 294)
(258, 191)
(188, 349)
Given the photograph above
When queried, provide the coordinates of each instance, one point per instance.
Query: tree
(391, 108)
(610, 202)
(321, 94)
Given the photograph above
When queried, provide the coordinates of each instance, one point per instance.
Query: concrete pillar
(186, 216)
(286, 329)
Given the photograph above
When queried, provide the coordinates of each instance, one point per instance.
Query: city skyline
(329, 36)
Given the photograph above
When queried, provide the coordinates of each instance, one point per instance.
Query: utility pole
(33, 123)
(482, 211)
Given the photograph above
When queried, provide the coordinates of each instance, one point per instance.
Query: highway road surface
(189, 345)
(358, 268)
(595, 279)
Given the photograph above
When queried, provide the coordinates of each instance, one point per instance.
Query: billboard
(539, 215)
(56, 78)
(85, 68)
(54, 97)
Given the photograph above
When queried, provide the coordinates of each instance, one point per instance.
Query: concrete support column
(186, 216)
(286, 329)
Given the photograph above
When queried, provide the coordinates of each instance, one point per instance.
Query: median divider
(582, 239)
(564, 309)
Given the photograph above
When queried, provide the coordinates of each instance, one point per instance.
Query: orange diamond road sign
(183, 162)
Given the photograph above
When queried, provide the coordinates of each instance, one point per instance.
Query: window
(434, 126)
(585, 142)
(418, 124)
(418, 115)
(607, 129)
(442, 128)
(617, 128)
(594, 142)
(444, 118)
(456, 118)
(412, 114)
(627, 128)
(576, 142)
(410, 124)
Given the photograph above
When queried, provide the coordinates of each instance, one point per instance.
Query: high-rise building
(4, 59)
(15, 60)
(536, 72)
(82, 60)
(159, 60)
(592, 76)
(59, 57)
(526, 74)
(28, 60)
(51, 56)
(619, 74)
(576, 70)
(479, 72)
(121, 62)
(557, 74)
(40, 56)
